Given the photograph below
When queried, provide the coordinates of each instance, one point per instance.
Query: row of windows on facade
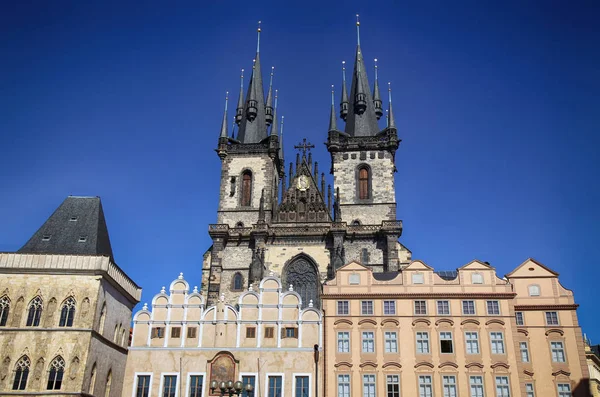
(67, 315)
(476, 278)
(448, 382)
(286, 332)
(423, 344)
(56, 373)
(196, 384)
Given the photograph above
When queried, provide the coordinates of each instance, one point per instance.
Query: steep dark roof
(364, 124)
(256, 130)
(385, 276)
(76, 218)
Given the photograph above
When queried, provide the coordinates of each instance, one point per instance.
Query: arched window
(477, 278)
(364, 256)
(122, 336)
(55, 376)
(21, 373)
(67, 313)
(108, 383)
(534, 290)
(237, 282)
(239, 224)
(363, 183)
(116, 334)
(92, 380)
(246, 188)
(102, 319)
(35, 312)
(4, 308)
(356, 222)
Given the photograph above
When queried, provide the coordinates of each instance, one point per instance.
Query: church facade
(290, 223)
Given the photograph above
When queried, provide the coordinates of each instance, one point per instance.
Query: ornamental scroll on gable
(304, 201)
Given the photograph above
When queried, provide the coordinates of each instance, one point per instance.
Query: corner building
(65, 308)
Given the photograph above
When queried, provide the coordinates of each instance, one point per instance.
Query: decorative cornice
(561, 372)
(342, 364)
(367, 321)
(391, 364)
(523, 331)
(529, 373)
(342, 321)
(444, 320)
(478, 365)
(424, 364)
(448, 364)
(390, 320)
(420, 295)
(421, 320)
(500, 364)
(469, 321)
(494, 321)
(368, 364)
(555, 331)
(522, 308)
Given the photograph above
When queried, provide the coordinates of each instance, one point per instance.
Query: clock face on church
(302, 183)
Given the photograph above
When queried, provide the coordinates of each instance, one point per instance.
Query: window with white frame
(472, 342)
(420, 307)
(477, 278)
(369, 385)
(143, 386)
(524, 349)
(423, 342)
(534, 290)
(449, 385)
(169, 388)
(354, 279)
(343, 341)
(502, 386)
(476, 386)
(425, 386)
(366, 308)
(274, 386)
(552, 318)
(468, 307)
(343, 385)
(196, 385)
(343, 307)
(393, 385)
(368, 342)
(529, 390)
(389, 307)
(558, 352)
(497, 342)
(417, 278)
(301, 387)
(446, 343)
(248, 380)
(564, 390)
(391, 342)
(519, 318)
(443, 307)
(493, 307)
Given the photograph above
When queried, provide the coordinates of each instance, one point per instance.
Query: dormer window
(354, 279)
(477, 278)
(46, 237)
(534, 290)
(417, 278)
(73, 219)
(82, 239)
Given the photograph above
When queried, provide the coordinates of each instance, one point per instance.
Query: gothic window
(67, 313)
(364, 256)
(21, 373)
(4, 308)
(364, 182)
(102, 319)
(237, 283)
(239, 224)
(246, 188)
(55, 376)
(356, 222)
(35, 312)
(303, 275)
(92, 380)
(108, 384)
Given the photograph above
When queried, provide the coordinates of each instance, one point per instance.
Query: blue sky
(496, 102)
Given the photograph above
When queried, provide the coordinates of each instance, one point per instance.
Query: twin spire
(362, 109)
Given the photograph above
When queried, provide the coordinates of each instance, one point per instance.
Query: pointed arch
(122, 335)
(102, 319)
(67, 312)
(92, 380)
(246, 190)
(21, 373)
(56, 373)
(18, 312)
(303, 274)
(237, 282)
(35, 311)
(4, 309)
(108, 383)
(363, 181)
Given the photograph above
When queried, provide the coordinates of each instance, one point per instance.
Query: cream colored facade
(593, 362)
(266, 336)
(92, 351)
(429, 335)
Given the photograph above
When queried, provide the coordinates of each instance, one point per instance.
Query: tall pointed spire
(239, 111)
(224, 133)
(253, 126)
(269, 104)
(274, 129)
(376, 95)
(391, 121)
(332, 120)
(357, 31)
(344, 102)
(281, 144)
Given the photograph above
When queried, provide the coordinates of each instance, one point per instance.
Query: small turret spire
(391, 121)
(360, 99)
(233, 128)
(332, 120)
(239, 111)
(269, 104)
(376, 95)
(274, 129)
(344, 102)
(357, 30)
(281, 144)
(224, 133)
(251, 109)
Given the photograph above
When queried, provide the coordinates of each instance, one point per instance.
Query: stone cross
(304, 146)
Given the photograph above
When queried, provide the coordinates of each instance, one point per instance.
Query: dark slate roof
(256, 130)
(361, 124)
(75, 218)
(447, 275)
(385, 276)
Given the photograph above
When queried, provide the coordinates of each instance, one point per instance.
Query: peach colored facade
(426, 334)
(265, 335)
